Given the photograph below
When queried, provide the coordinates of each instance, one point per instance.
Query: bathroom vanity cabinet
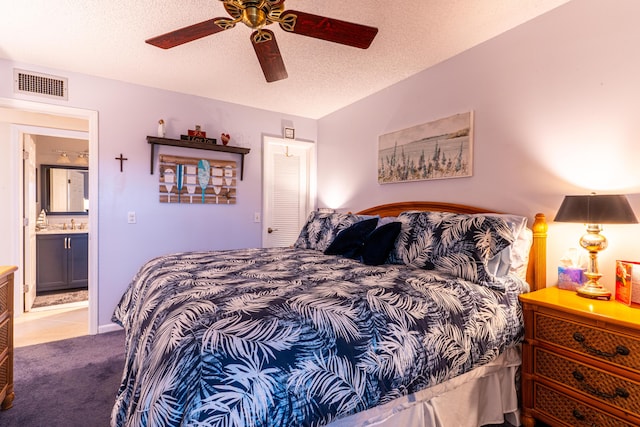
(62, 261)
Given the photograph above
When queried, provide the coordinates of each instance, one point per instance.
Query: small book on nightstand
(628, 283)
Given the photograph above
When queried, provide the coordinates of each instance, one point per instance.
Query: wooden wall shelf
(154, 140)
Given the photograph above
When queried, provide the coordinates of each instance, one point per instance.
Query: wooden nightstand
(6, 337)
(580, 361)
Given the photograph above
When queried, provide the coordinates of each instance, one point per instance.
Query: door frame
(312, 177)
(18, 213)
(30, 214)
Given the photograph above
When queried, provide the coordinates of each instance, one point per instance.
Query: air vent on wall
(30, 83)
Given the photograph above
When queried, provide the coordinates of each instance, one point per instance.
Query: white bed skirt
(486, 395)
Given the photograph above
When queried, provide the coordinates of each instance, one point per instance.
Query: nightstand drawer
(621, 350)
(4, 375)
(594, 383)
(570, 411)
(4, 296)
(4, 337)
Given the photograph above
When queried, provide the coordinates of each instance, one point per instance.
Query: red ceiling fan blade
(264, 43)
(333, 30)
(186, 34)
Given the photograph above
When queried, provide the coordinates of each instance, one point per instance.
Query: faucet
(73, 224)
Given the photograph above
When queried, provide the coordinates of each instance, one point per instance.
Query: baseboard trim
(111, 327)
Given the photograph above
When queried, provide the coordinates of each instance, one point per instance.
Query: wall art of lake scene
(435, 150)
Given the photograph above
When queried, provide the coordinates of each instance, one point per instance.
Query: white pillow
(521, 248)
(515, 257)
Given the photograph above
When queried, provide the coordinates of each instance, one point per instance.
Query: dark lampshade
(596, 209)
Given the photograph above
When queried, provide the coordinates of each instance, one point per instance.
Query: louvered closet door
(289, 189)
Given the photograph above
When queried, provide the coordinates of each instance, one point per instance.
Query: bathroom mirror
(65, 190)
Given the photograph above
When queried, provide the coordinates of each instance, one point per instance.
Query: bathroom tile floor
(51, 324)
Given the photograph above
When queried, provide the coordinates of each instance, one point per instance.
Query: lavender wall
(127, 114)
(556, 105)
(550, 97)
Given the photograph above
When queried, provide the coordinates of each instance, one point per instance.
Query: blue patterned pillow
(321, 228)
(349, 242)
(379, 243)
(458, 244)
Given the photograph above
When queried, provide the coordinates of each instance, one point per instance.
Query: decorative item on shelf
(198, 139)
(197, 132)
(198, 135)
(225, 138)
(594, 210)
(628, 282)
(161, 129)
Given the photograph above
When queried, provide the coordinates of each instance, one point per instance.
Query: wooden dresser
(580, 361)
(6, 336)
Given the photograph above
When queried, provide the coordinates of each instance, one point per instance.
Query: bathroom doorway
(56, 205)
(31, 118)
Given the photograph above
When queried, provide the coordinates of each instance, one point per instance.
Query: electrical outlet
(131, 217)
(256, 217)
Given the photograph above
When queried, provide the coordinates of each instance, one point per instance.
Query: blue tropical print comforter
(293, 337)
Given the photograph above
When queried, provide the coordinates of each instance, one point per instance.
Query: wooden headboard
(537, 270)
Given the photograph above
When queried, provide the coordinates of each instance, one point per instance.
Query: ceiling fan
(257, 14)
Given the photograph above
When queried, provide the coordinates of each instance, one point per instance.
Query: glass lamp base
(593, 290)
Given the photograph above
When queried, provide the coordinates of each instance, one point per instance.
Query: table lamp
(594, 210)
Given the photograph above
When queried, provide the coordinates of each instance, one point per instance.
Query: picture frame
(438, 149)
(289, 133)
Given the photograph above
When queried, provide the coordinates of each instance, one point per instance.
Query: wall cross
(122, 159)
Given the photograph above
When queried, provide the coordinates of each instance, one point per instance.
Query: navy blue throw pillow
(379, 243)
(349, 241)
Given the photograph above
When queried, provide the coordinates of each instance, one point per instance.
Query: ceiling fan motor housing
(254, 17)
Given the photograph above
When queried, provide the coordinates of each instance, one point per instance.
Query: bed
(404, 314)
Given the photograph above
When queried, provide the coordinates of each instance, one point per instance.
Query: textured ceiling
(106, 38)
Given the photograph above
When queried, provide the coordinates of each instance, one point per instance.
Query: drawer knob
(619, 350)
(578, 415)
(581, 417)
(618, 391)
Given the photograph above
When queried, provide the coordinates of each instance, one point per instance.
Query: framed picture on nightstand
(628, 282)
